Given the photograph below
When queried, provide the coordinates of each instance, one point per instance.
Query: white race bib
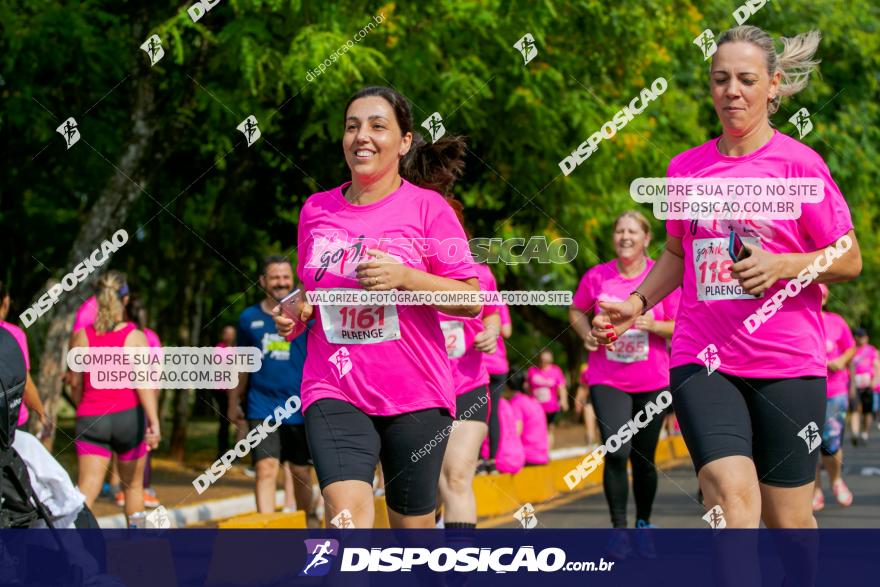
(863, 380)
(712, 270)
(542, 394)
(631, 347)
(360, 324)
(453, 332)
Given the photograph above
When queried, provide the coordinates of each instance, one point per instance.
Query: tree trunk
(106, 217)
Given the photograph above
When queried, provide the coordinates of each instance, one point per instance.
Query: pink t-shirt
(544, 386)
(863, 362)
(152, 338)
(639, 361)
(86, 314)
(383, 360)
(467, 363)
(790, 343)
(496, 363)
(535, 440)
(585, 374)
(510, 457)
(838, 339)
(98, 402)
(20, 337)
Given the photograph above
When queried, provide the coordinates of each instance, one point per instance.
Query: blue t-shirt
(280, 375)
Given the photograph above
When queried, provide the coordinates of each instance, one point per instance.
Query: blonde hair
(638, 217)
(795, 63)
(110, 308)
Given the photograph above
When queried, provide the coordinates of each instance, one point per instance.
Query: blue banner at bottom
(678, 558)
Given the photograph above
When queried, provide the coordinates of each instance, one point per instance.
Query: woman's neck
(631, 267)
(362, 193)
(737, 146)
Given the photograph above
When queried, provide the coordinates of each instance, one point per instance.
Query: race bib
(453, 332)
(863, 380)
(360, 324)
(631, 347)
(712, 268)
(542, 394)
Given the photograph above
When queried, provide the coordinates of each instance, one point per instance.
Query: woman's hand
(486, 341)
(759, 271)
(284, 325)
(590, 343)
(580, 399)
(836, 365)
(615, 318)
(153, 435)
(384, 272)
(645, 323)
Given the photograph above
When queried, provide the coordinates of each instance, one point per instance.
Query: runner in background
(533, 421)
(31, 397)
(584, 407)
(497, 366)
(866, 375)
(741, 421)
(546, 383)
(468, 341)
(279, 378)
(220, 400)
(631, 373)
(840, 348)
(511, 456)
(121, 420)
(377, 384)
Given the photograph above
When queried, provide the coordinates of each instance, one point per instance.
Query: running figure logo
(811, 436)
(434, 125)
(70, 131)
(710, 358)
(343, 520)
(249, 128)
(706, 43)
(526, 46)
(801, 120)
(317, 552)
(526, 516)
(715, 518)
(153, 48)
(158, 519)
(341, 359)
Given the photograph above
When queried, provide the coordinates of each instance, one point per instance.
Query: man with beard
(278, 379)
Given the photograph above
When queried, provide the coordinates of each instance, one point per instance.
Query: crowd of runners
(413, 401)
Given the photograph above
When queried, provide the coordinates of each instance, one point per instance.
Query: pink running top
(713, 308)
(496, 363)
(838, 340)
(86, 314)
(544, 386)
(864, 365)
(97, 402)
(510, 457)
(534, 436)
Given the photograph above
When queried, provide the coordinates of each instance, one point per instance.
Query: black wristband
(643, 298)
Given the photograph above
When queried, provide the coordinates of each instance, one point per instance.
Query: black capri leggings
(496, 387)
(614, 408)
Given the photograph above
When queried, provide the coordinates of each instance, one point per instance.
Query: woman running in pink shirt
(122, 420)
(377, 383)
(624, 378)
(866, 372)
(546, 383)
(749, 403)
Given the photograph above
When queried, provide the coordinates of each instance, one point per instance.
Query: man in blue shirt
(277, 381)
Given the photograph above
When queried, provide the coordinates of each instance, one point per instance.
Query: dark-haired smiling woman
(377, 383)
